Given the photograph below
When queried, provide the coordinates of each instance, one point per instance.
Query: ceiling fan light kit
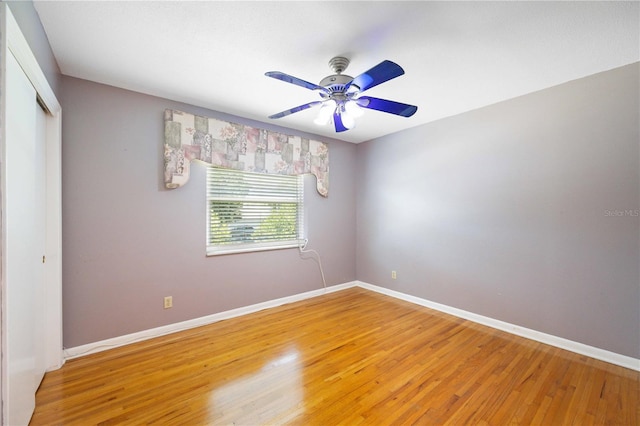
(340, 93)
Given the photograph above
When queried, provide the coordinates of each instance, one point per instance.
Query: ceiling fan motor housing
(336, 84)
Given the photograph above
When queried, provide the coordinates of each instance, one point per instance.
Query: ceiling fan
(340, 94)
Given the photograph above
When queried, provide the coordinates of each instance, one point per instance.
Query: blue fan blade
(384, 105)
(294, 80)
(384, 71)
(337, 120)
(295, 109)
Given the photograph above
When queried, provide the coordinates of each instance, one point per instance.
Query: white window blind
(253, 211)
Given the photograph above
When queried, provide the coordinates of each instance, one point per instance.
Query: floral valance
(191, 137)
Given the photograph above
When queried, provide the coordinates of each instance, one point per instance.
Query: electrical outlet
(168, 302)
(393, 275)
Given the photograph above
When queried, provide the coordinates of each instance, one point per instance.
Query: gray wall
(128, 242)
(525, 211)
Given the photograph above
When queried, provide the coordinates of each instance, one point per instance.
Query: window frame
(253, 246)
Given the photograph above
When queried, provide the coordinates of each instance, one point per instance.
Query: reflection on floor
(271, 395)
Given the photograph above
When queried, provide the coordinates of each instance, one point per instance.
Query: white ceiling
(457, 56)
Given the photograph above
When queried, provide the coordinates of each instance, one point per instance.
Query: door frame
(12, 40)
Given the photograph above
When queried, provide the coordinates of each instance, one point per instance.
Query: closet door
(25, 207)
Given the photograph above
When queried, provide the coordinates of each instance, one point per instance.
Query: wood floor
(346, 358)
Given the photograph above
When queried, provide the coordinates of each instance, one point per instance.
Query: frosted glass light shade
(325, 113)
(353, 109)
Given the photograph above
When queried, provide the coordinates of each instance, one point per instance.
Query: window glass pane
(252, 211)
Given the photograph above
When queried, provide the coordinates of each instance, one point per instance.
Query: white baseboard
(115, 342)
(580, 348)
(559, 342)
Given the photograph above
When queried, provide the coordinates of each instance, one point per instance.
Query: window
(252, 211)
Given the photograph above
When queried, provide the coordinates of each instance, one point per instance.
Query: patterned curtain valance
(234, 146)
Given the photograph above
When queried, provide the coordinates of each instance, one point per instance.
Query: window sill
(248, 248)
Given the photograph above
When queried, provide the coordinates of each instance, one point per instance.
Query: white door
(25, 207)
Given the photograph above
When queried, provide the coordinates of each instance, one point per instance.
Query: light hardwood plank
(352, 357)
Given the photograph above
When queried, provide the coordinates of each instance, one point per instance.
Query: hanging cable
(302, 247)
